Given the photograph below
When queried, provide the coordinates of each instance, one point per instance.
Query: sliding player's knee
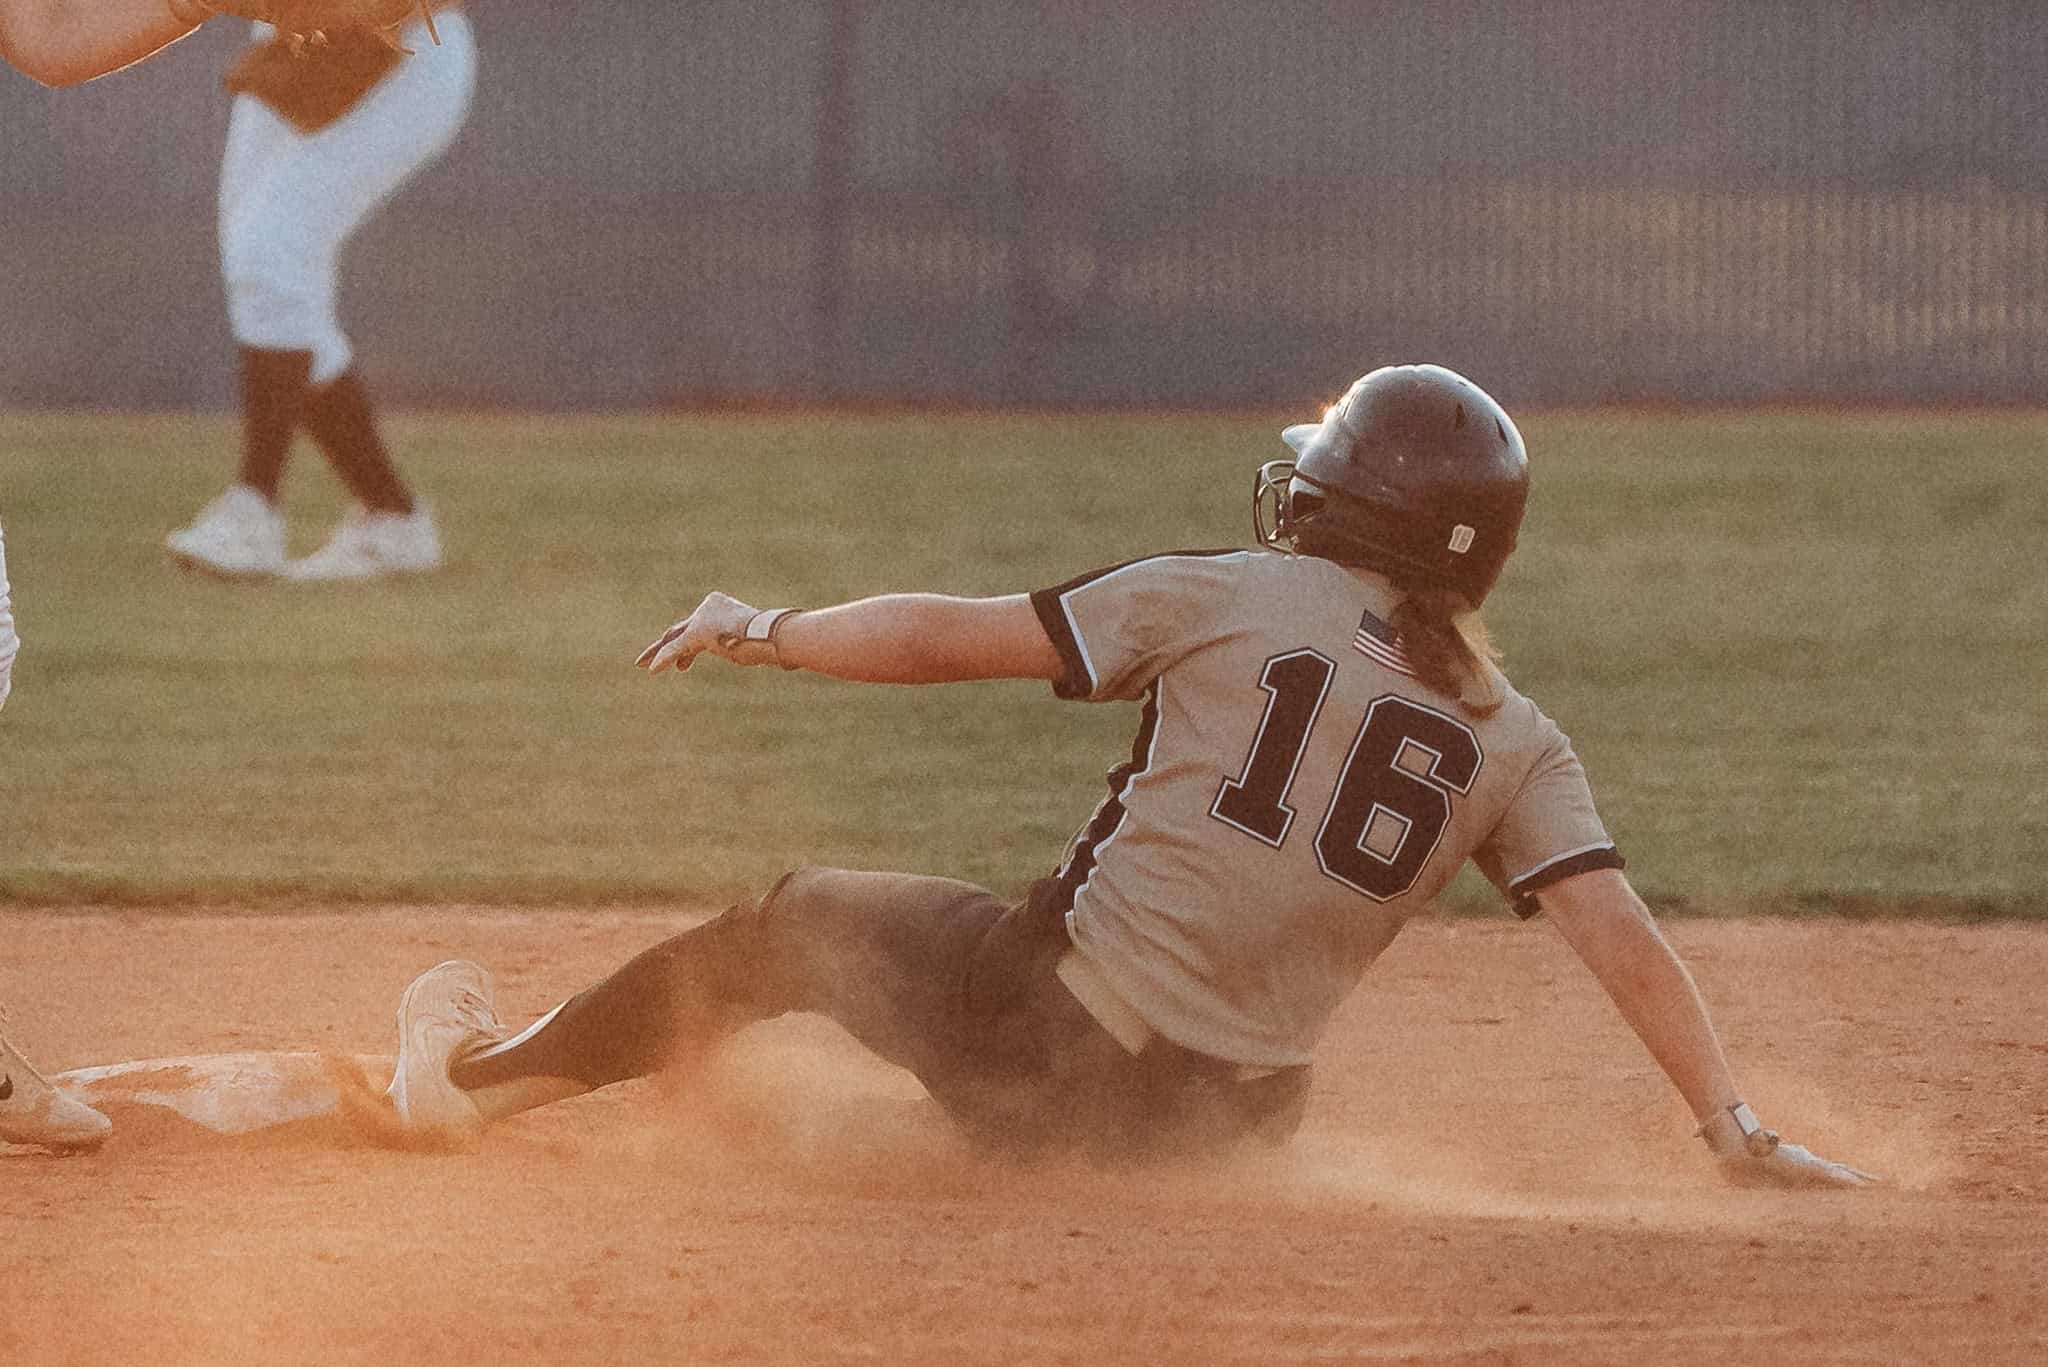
(743, 965)
(797, 908)
(792, 897)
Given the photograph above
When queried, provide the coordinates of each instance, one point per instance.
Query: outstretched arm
(63, 42)
(909, 638)
(1603, 920)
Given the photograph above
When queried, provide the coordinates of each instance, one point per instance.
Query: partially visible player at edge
(63, 42)
(1324, 742)
(31, 1110)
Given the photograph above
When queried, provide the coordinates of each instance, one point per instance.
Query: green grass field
(1802, 656)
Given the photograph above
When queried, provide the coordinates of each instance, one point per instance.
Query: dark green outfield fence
(1205, 201)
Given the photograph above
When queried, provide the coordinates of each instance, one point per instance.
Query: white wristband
(1735, 1131)
(756, 643)
(761, 626)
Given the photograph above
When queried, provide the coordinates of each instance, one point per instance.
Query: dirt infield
(1491, 1172)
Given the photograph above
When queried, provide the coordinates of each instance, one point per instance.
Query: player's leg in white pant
(240, 534)
(295, 200)
(288, 204)
(10, 643)
(256, 135)
(390, 532)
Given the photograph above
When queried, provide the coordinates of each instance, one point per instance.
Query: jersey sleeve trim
(1080, 680)
(1522, 890)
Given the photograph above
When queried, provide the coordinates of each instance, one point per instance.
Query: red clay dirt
(1491, 1172)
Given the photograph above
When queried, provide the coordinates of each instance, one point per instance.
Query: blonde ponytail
(1448, 646)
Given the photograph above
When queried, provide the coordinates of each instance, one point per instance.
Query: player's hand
(724, 626)
(1751, 1156)
(719, 616)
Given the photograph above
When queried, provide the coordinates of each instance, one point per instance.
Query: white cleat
(34, 1112)
(447, 1009)
(239, 535)
(367, 545)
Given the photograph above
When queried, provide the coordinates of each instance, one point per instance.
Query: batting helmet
(1415, 473)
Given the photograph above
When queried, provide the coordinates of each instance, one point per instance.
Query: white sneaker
(34, 1112)
(447, 1009)
(366, 545)
(239, 535)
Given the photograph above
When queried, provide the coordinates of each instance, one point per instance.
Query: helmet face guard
(1415, 473)
(1269, 489)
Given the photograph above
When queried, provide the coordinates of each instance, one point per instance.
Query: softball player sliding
(1323, 742)
(318, 138)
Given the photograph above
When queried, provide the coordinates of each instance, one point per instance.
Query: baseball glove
(308, 22)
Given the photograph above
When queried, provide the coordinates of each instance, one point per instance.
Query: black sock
(669, 1002)
(339, 418)
(273, 395)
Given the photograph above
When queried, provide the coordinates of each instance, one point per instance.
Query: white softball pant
(9, 642)
(290, 200)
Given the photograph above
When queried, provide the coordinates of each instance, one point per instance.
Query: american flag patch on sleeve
(1381, 644)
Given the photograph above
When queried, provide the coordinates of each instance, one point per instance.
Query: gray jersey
(1294, 794)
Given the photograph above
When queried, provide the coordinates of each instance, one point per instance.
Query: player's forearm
(1620, 943)
(905, 638)
(64, 42)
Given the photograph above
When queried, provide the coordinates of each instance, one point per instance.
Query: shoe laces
(475, 1009)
